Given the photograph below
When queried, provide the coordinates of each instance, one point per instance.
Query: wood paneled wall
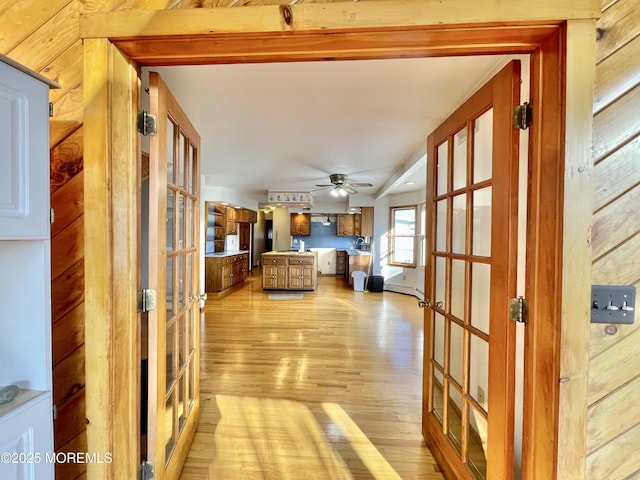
(613, 425)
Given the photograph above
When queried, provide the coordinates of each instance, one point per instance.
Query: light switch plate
(613, 304)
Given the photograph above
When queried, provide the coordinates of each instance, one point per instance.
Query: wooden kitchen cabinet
(341, 262)
(346, 225)
(245, 215)
(366, 222)
(301, 224)
(232, 223)
(356, 225)
(274, 272)
(225, 271)
(289, 271)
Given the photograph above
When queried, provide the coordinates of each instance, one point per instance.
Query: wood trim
(545, 253)
(544, 261)
(328, 16)
(576, 255)
(111, 221)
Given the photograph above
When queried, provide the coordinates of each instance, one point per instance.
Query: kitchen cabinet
(225, 271)
(26, 422)
(341, 262)
(245, 215)
(346, 225)
(366, 222)
(274, 272)
(216, 227)
(301, 224)
(289, 271)
(232, 225)
(356, 225)
(357, 261)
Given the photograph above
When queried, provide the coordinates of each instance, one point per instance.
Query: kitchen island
(289, 270)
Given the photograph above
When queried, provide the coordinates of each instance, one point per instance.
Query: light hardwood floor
(325, 387)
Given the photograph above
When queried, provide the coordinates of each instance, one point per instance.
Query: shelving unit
(216, 227)
(26, 423)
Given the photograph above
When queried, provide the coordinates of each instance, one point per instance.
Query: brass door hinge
(146, 300)
(523, 116)
(519, 310)
(147, 124)
(146, 472)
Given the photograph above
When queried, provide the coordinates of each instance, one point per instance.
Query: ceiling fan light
(343, 192)
(335, 192)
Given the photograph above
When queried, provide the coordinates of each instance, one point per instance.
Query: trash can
(375, 283)
(358, 280)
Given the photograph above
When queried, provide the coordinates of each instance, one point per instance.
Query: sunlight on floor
(283, 440)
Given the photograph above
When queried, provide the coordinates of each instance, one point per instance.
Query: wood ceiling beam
(295, 46)
(330, 16)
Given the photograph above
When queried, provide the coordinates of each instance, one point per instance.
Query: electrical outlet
(480, 396)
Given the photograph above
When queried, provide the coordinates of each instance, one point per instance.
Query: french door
(470, 276)
(173, 271)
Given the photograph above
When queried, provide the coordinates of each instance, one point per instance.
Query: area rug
(285, 296)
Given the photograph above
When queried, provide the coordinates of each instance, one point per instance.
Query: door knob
(201, 297)
(426, 303)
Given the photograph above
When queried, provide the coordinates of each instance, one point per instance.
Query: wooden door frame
(559, 36)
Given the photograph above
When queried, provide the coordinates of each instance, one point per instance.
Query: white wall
(281, 229)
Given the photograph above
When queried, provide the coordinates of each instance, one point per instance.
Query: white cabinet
(26, 424)
(24, 138)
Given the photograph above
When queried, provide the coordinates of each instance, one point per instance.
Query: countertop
(226, 254)
(289, 252)
(359, 253)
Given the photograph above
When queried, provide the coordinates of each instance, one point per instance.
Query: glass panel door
(174, 274)
(470, 276)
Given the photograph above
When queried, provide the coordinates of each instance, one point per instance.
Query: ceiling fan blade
(327, 185)
(349, 189)
(356, 184)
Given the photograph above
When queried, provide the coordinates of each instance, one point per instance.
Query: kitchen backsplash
(324, 236)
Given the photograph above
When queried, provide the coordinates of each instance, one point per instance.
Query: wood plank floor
(324, 387)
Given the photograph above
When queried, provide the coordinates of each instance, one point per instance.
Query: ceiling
(288, 126)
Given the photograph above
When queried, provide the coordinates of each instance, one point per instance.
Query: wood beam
(576, 265)
(111, 279)
(329, 16)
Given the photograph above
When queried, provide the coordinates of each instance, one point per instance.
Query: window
(402, 236)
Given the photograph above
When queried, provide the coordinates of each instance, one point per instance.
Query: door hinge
(519, 310)
(50, 109)
(55, 411)
(145, 472)
(147, 124)
(52, 215)
(146, 300)
(523, 116)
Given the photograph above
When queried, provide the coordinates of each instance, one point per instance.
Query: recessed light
(409, 183)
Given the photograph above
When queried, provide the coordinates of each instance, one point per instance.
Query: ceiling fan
(341, 187)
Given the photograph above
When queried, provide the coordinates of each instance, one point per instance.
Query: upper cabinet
(24, 153)
(366, 222)
(232, 223)
(359, 224)
(346, 225)
(301, 224)
(246, 215)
